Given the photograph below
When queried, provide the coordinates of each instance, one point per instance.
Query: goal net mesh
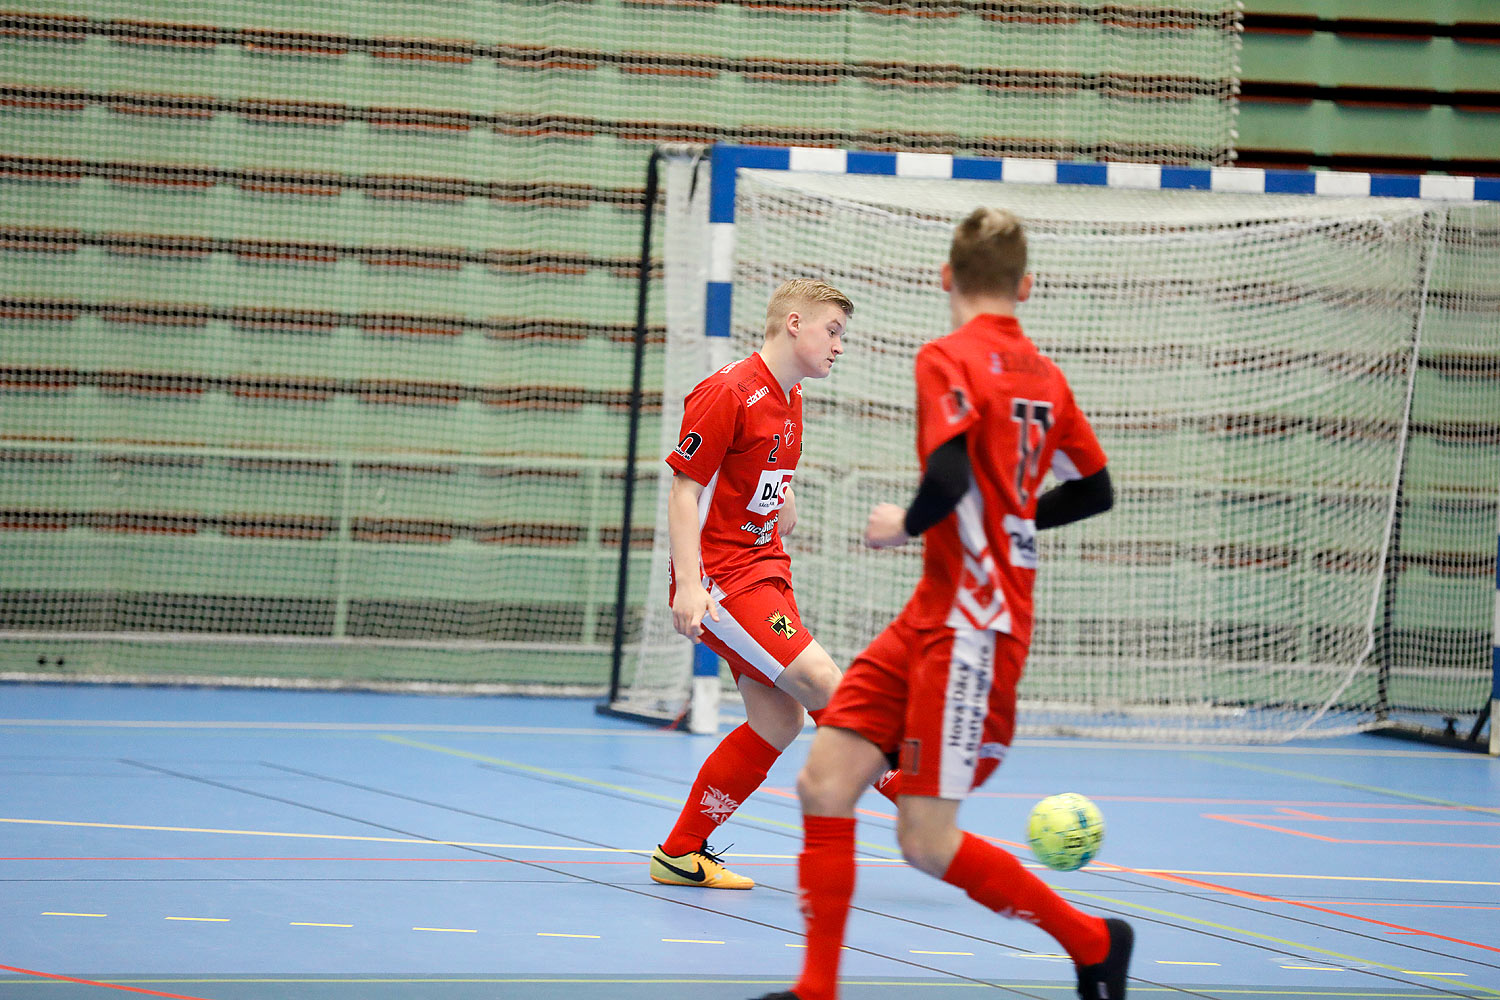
(318, 317)
(1248, 362)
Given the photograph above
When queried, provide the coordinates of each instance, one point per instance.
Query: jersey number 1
(1034, 418)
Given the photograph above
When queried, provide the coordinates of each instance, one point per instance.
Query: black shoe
(1106, 980)
(783, 995)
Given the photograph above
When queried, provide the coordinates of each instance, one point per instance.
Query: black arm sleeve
(943, 485)
(1075, 500)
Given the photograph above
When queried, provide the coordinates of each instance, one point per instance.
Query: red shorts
(759, 631)
(945, 697)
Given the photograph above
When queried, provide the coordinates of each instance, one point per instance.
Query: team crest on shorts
(782, 625)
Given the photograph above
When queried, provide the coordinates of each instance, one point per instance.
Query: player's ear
(1023, 290)
(793, 322)
(947, 276)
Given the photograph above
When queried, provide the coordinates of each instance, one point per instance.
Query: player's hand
(886, 527)
(786, 521)
(688, 608)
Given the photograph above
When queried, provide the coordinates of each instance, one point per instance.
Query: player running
(730, 503)
(939, 684)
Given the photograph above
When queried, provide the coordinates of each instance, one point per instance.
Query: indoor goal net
(1251, 363)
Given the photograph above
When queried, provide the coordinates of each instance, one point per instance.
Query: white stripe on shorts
(971, 671)
(733, 635)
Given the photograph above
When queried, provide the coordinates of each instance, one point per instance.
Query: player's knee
(778, 729)
(823, 790)
(922, 850)
(914, 847)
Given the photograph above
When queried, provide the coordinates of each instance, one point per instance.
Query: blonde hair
(801, 292)
(988, 255)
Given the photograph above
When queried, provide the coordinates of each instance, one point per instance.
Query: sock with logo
(825, 876)
(736, 768)
(996, 880)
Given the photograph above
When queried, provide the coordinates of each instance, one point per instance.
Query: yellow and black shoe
(701, 868)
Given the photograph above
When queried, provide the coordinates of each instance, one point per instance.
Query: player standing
(993, 416)
(730, 502)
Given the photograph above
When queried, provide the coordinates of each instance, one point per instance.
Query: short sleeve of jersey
(710, 417)
(1078, 453)
(945, 400)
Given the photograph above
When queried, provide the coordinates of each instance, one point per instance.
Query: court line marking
(95, 982)
(1412, 906)
(551, 934)
(55, 913)
(1205, 800)
(213, 783)
(313, 836)
(1327, 839)
(447, 930)
(724, 981)
(1264, 898)
(687, 941)
(634, 852)
(579, 779)
(1309, 751)
(308, 923)
(1355, 960)
(1414, 972)
(337, 727)
(429, 841)
(1293, 812)
(201, 920)
(1341, 783)
(662, 733)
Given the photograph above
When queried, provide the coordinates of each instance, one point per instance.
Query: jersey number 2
(775, 447)
(1034, 418)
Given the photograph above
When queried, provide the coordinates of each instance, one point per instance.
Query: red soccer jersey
(741, 438)
(987, 380)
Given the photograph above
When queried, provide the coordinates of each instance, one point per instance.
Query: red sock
(825, 876)
(889, 785)
(996, 880)
(735, 769)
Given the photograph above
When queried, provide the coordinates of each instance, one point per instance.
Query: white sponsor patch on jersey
(757, 396)
(1022, 532)
(770, 492)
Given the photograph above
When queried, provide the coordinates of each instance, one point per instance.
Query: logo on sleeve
(782, 625)
(770, 492)
(690, 443)
(955, 405)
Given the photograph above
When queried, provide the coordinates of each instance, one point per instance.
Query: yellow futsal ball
(1065, 831)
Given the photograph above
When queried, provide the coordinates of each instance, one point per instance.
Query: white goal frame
(726, 161)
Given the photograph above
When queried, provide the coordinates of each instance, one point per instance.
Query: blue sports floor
(231, 844)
